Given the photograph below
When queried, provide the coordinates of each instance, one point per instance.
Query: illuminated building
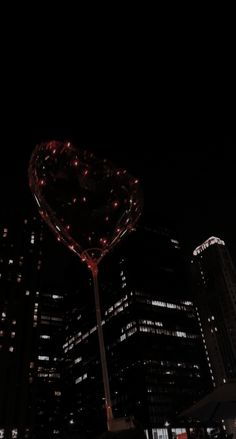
(215, 294)
(155, 356)
(30, 323)
(50, 375)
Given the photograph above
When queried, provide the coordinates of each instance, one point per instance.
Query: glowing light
(80, 209)
(103, 241)
(210, 241)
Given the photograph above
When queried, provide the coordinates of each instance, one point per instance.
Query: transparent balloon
(89, 204)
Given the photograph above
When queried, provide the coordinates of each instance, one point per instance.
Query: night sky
(180, 143)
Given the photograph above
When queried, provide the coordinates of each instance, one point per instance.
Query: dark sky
(188, 178)
(176, 132)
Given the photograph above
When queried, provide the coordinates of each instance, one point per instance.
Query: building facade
(31, 316)
(50, 372)
(155, 356)
(215, 293)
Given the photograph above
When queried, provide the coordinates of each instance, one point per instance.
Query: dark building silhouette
(31, 316)
(50, 374)
(215, 293)
(156, 360)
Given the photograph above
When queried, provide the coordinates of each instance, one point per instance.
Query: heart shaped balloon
(87, 202)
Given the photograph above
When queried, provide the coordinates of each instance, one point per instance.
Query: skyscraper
(20, 260)
(155, 356)
(50, 374)
(215, 294)
(31, 318)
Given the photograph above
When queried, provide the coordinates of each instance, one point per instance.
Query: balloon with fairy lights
(90, 205)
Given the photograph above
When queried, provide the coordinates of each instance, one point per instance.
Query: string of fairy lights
(88, 203)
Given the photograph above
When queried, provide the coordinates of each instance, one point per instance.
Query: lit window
(93, 329)
(11, 349)
(14, 433)
(81, 378)
(43, 357)
(122, 337)
(57, 393)
(3, 316)
(44, 336)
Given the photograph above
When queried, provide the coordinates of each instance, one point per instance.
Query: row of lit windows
(128, 334)
(169, 305)
(167, 332)
(153, 330)
(116, 305)
(150, 322)
(14, 433)
(205, 346)
(184, 306)
(49, 375)
(166, 363)
(35, 319)
(81, 378)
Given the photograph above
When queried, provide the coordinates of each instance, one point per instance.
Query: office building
(155, 356)
(214, 278)
(31, 317)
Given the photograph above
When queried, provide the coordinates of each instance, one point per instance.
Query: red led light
(83, 201)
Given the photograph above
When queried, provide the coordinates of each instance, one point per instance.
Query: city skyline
(145, 304)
